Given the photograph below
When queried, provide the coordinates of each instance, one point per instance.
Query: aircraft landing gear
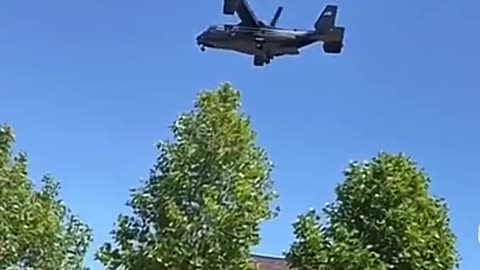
(261, 60)
(202, 48)
(258, 61)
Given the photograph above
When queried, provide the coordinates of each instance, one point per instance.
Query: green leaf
(36, 230)
(383, 218)
(206, 196)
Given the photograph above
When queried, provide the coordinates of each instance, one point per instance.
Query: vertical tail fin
(331, 34)
(327, 18)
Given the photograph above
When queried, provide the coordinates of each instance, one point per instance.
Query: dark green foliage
(36, 230)
(205, 198)
(310, 250)
(383, 218)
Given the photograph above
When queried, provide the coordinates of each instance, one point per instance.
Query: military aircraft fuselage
(265, 41)
(274, 41)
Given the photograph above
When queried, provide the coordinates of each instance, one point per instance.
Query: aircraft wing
(246, 15)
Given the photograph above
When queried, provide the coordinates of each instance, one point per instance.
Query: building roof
(265, 262)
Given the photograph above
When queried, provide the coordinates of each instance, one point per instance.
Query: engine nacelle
(230, 6)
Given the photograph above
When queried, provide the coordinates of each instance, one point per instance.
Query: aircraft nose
(201, 38)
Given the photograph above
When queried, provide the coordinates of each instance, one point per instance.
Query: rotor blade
(276, 16)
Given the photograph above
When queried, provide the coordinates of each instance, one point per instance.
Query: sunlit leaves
(383, 218)
(206, 196)
(310, 249)
(36, 230)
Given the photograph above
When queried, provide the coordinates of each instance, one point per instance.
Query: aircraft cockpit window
(213, 28)
(221, 28)
(216, 28)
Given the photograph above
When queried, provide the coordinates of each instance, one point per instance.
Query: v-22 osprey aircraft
(251, 36)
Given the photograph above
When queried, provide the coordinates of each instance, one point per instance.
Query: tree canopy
(37, 231)
(383, 218)
(205, 198)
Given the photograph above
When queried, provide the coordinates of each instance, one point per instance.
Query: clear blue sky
(90, 86)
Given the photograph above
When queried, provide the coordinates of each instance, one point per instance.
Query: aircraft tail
(331, 34)
(327, 18)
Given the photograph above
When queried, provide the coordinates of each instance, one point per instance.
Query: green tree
(310, 249)
(205, 199)
(37, 231)
(383, 218)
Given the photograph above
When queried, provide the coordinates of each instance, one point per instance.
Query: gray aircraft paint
(253, 37)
